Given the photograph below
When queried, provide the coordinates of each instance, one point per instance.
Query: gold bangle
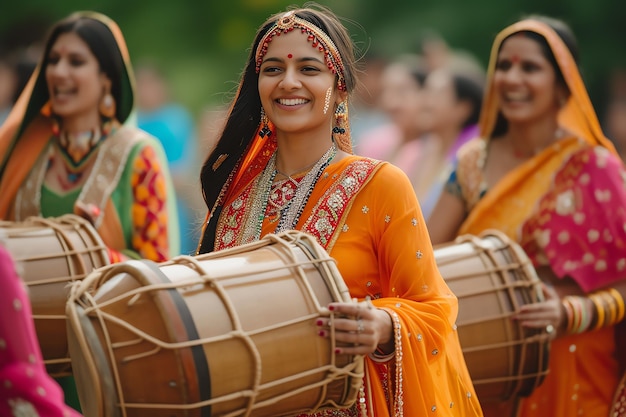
(578, 319)
(611, 303)
(620, 304)
(569, 310)
(599, 310)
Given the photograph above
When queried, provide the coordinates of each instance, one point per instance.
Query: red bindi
(289, 56)
(514, 59)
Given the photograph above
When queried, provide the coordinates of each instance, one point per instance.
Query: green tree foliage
(203, 44)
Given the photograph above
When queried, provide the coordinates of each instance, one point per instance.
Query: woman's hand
(546, 314)
(361, 327)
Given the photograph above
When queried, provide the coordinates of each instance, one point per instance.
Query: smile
(292, 101)
(516, 97)
(63, 91)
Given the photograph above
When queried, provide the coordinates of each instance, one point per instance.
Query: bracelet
(619, 300)
(381, 358)
(599, 311)
(569, 312)
(579, 313)
(609, 307)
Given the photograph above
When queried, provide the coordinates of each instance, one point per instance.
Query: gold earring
(341, 129)
(46, 110)
(327, 99)
(265, 129)
(107, 105)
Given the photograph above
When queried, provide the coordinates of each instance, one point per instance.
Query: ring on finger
(549, 328)
(359, 326)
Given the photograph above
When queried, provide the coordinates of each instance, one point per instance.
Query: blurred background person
(365, 112)
(434, 50)
(159, 114)
(437, 53)
(402, 141)
(543, 173)
(453, 98)
(65, 148)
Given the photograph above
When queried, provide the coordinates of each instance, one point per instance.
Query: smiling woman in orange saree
(543, 172)
(284, 162)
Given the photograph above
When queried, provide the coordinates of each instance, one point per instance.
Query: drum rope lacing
(81, 295)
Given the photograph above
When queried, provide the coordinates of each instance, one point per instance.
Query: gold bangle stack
(605, 310)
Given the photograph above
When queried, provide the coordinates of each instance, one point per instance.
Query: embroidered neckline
(290, 213)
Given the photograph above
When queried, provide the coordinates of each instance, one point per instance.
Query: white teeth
(515, 97)
(292, 101)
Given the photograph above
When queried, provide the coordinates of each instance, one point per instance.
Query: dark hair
(245, 112)
(102, 44)
(469, 88)
(567, 36)
(419, 74)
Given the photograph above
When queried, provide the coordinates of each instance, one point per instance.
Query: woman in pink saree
(26, 390)
(543, 172)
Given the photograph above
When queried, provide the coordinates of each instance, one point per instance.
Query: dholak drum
(492, 278)
(51, 253)
(230, 333)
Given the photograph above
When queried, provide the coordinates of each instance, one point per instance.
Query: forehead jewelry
(320, 40)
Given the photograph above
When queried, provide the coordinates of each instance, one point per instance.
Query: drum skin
(222, 334)
(50, 254)
(492, 278)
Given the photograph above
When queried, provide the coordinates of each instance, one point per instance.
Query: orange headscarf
(577, 115)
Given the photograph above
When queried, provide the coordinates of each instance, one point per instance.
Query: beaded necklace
(77, 149)
(290, 213)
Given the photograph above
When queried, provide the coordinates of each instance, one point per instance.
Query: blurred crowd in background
(414, 108)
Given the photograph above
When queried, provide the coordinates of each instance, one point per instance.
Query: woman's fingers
(353, 326)
(546, 314)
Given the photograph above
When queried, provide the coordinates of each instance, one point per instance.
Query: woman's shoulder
(352, 162)
(136, 139)
(130, 146)
(382, 173)
(596, 157)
